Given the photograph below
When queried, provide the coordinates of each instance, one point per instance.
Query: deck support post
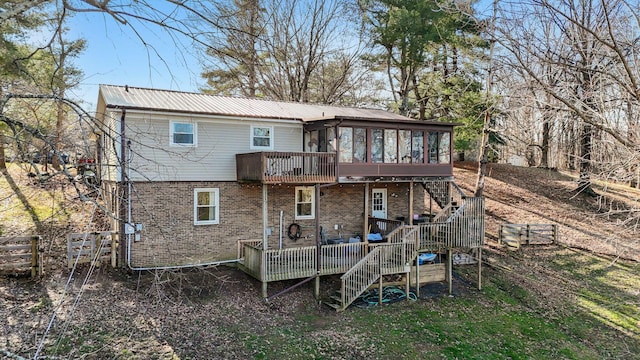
(411, 202)
(449, 269)
(264, 289)
(417, 277)
(380, 280)
(408, 286)
(480, 268)
(265, 214)
(365, 231)
(318, 235)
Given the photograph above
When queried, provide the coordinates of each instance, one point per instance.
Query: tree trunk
(483, 157)
(584, 181)
(484, 145)
(3, 162)
(546, 127)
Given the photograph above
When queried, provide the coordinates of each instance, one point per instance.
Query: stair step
(335, 306)
(336, 298)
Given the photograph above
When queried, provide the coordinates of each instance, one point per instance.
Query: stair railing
(358, 279)
(463, 228)
(448, 195)
(384, 259)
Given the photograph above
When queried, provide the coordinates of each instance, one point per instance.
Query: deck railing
(399, 253)
(241, 246)
(273, 167)
(252, 260)
(463, 229)
(294, 263)
(383, 259)
(339, 258)
(398, 234)
(383, 226)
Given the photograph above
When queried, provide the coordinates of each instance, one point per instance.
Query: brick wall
(169, 237)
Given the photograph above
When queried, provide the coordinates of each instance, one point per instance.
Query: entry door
(379, 203)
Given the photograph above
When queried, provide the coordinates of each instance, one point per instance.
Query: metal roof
(187, 102)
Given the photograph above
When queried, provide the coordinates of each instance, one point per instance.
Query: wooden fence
(515, 234)
(21, 254)
(97, 247)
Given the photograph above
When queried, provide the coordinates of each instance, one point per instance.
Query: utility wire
(66, 287)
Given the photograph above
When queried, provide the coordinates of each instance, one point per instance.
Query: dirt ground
(143, 313)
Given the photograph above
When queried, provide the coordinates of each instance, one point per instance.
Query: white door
(379, 203)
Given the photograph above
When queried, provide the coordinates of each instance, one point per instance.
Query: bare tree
(284, 50)
(591, 46)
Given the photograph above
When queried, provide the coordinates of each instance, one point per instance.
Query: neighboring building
(203, 172)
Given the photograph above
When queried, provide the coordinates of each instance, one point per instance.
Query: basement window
(206, 206)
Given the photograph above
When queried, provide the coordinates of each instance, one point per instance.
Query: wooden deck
(363, 263)
(300, 262)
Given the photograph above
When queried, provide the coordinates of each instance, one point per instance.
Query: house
(197, 179)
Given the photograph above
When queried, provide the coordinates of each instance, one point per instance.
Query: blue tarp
(374, 237)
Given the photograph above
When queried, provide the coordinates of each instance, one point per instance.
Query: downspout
(125, 207)
(129, 217)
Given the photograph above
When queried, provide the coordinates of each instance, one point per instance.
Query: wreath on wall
(294, 231)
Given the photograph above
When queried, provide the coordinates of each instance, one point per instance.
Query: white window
(206, 209)
(262, 137)
(305, 202)
(183, 134)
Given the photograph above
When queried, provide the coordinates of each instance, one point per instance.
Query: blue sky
(115, 55)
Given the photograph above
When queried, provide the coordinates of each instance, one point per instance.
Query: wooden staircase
(383, 259)
(448, 196)
(405, 243)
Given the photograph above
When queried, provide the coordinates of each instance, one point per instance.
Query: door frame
(385, 204)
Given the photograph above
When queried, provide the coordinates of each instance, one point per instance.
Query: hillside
(528, 195)
(577, 300)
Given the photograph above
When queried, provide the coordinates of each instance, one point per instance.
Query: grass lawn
(597, 319)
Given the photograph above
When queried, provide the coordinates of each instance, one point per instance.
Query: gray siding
(110, 146)
(212, 159)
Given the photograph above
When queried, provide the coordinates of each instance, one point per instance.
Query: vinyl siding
(110, 146)
(213, 157)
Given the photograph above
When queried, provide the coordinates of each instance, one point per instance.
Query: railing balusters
(278, 167)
